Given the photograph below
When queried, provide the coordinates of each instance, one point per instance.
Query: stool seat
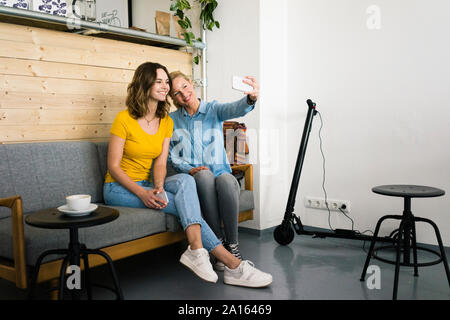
(410, 191)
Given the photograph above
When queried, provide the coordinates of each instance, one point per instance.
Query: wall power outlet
(333, 205)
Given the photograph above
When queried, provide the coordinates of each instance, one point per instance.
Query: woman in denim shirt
(197, 148)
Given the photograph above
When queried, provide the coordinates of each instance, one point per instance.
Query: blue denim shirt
(197, 140)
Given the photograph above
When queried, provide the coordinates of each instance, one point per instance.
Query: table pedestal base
(72, 255)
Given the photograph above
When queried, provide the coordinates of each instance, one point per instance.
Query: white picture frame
(112, 12)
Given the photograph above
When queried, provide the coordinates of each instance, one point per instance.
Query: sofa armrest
(15, 204)
(8, 202)
(248, 174)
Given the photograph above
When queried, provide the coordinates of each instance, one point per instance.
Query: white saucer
(65, 209)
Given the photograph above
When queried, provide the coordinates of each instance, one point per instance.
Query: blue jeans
(183, 203)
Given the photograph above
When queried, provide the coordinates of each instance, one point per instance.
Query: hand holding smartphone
(162, 196)
(240, 85)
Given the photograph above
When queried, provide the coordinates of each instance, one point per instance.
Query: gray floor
(323, 269)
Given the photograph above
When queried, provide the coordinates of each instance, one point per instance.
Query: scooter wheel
(283, 234)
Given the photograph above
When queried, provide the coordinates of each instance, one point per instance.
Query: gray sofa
(44, 173)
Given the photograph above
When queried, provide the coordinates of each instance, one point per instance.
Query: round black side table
(54, 219)
(406, 234)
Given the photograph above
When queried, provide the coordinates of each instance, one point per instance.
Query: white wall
(383, 95)
(385, 103)
(144, 13)
(273, 133)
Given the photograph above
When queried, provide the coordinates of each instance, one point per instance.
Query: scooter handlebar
(311, 104)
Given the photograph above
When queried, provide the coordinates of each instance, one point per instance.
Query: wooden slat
(95, 140)
(62, 86)
(104, 54)
(53, 132)
(41, 100)
(56, 117)
(41, 36)
(33, 68)
(7, 273)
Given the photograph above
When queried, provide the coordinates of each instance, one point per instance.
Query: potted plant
(207, 7)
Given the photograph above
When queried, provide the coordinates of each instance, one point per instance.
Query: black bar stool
(53, 219)
(406, 234)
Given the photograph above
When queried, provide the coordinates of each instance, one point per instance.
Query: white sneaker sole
(243, 283)
(202, 275)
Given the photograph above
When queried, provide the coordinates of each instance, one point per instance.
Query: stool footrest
(404, 264)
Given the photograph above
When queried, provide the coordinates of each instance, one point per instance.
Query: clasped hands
(151, 200)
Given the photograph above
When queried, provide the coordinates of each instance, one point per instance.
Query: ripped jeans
(183, 203)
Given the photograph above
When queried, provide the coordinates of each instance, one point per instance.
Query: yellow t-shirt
(140, 147)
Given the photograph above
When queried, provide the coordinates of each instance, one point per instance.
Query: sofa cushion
(131, 224)
(43, 174)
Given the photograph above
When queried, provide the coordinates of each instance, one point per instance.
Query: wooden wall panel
(42, 100)
(34, 68)
(61, 86)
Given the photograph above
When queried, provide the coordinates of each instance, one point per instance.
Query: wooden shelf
(101, 30)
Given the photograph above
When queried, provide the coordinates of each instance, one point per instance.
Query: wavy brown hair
(138, 92)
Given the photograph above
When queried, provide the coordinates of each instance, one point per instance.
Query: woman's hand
(193, 171)
(253, 95)
(151, 200)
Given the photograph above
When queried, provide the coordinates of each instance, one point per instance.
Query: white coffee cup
(78, 202)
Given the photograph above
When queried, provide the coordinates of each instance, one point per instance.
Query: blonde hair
(138, 91)
(173, 75)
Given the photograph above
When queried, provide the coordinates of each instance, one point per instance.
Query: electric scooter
(284, 233)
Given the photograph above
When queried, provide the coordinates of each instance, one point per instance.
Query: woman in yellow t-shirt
(140, 137)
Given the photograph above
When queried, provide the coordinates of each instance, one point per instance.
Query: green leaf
(183, 24)
(217, 24)
(186, 4)
(180, 14)
(174, 6)
(187, 38)
(188, 21)
(196, 59)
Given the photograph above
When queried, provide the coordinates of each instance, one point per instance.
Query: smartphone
(239, 85)
(163, 196)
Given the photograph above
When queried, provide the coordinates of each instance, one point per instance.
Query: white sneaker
(198, 261)
(246, 275)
